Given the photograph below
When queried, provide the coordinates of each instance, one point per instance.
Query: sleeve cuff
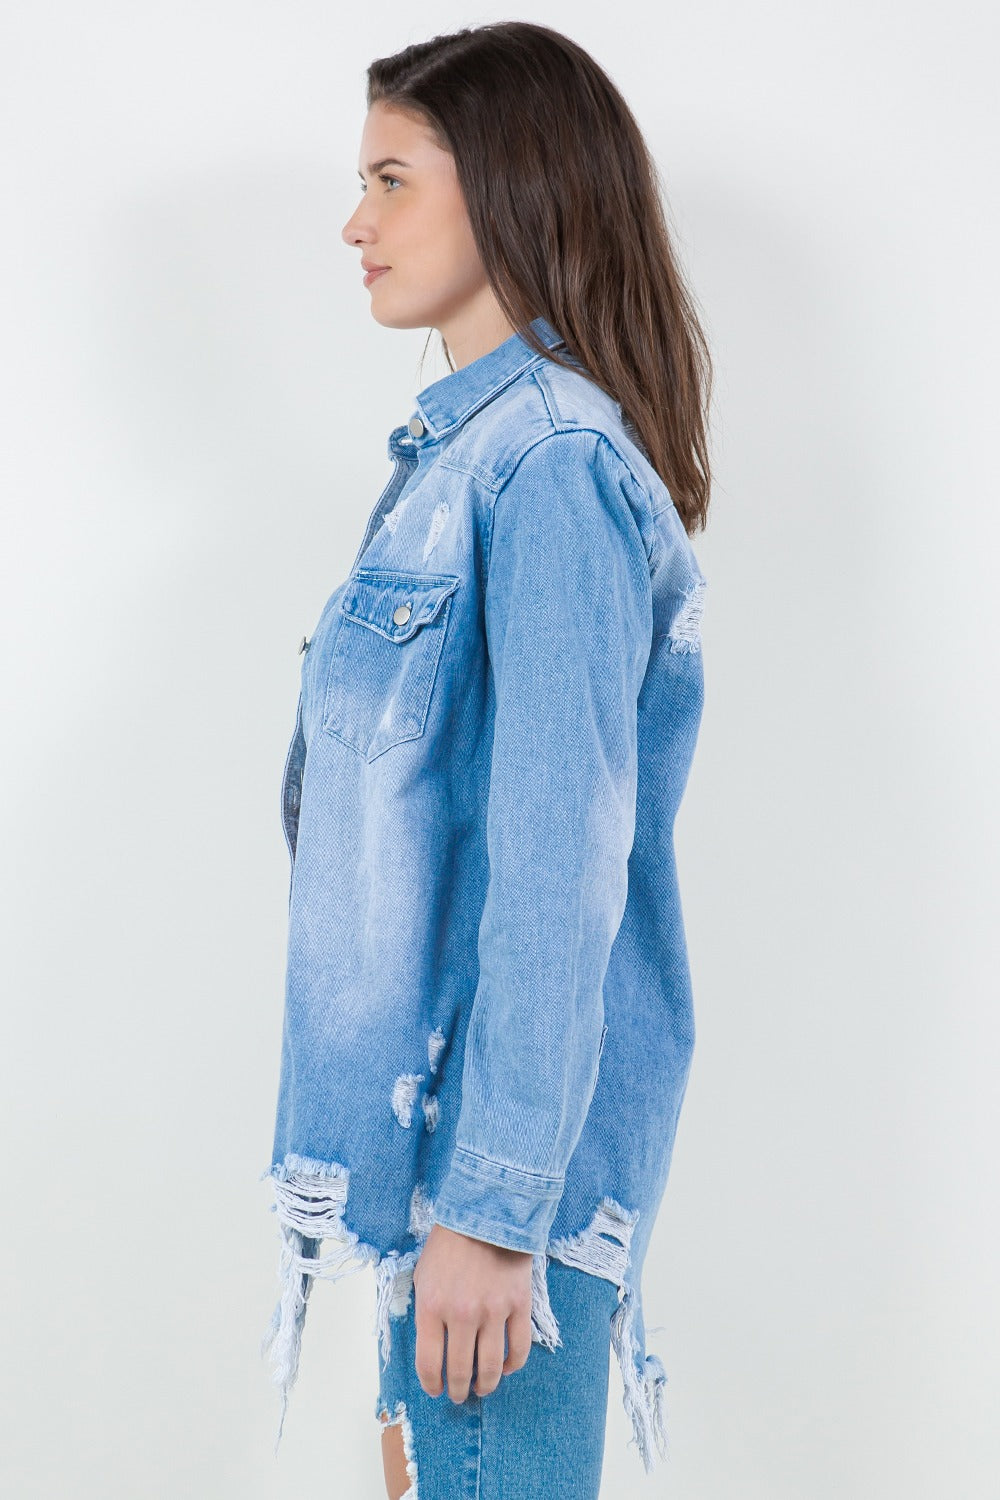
(492, 1201)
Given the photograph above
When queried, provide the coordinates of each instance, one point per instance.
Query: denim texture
(488, 1014)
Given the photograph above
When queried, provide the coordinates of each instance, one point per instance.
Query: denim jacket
(488, 1012)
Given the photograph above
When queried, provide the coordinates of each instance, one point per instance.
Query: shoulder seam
(577, 430)
(546, 437)
(562, 428)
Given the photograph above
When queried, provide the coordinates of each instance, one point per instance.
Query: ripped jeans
(539, 1435)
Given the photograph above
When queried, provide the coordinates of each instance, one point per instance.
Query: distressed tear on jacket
(310, 1200)
(603, 1250)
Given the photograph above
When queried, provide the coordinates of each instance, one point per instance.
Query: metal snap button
(416, 427)
(401, 614)
(303, 646)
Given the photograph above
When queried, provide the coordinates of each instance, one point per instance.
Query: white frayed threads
(604, 1249)
(400, 1418)
(393, 1285)
(421, 1213)
(435, 1042)
(394, 1273)
(643, 1392)
(432, 1110)
(310, 1197)
(392, 520)
(544, 1328)
(436, 527)
(591, 1249)
(685, 633)
(403, 1094)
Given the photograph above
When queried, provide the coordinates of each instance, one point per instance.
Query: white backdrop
(195, 409)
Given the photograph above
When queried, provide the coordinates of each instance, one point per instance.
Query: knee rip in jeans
(401, 1420)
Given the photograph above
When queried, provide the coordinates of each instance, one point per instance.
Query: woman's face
(412, 219)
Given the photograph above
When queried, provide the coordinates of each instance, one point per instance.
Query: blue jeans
(539, 1435)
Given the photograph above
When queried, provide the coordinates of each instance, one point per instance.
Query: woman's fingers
(518, 1340)
(429, 1357)
(468, 1293)
(459, 1354)
(489, 1355)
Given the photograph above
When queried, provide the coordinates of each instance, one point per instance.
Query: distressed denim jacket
(488, 1010)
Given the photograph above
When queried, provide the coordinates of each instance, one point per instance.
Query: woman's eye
(382, 177)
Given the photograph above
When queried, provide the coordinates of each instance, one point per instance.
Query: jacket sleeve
(568, 617)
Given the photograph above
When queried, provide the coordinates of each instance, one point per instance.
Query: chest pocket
(385, 657)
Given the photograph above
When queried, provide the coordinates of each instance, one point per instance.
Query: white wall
(196, 402)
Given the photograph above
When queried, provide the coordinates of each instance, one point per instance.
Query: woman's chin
(391, 316)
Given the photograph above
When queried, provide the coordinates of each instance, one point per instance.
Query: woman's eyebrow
(387, 161)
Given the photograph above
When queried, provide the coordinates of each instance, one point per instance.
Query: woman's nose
(356, 231)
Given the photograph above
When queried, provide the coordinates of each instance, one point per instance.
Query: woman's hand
(472, 1289)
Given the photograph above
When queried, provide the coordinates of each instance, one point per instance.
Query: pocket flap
(396, 604)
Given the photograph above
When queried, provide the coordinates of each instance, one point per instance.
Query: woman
(488, 1025)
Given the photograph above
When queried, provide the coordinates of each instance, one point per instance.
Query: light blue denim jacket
(488, 1012)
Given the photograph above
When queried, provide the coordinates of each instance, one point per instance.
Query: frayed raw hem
(310, 1197)
(603, 1248)
(643, 1382)
(310, 1200)
(400, 1418)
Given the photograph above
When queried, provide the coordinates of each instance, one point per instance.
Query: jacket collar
(450, 401)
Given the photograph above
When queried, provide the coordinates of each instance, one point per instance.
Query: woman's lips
(378, 271)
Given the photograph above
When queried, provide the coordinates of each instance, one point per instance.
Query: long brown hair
(564, 201)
